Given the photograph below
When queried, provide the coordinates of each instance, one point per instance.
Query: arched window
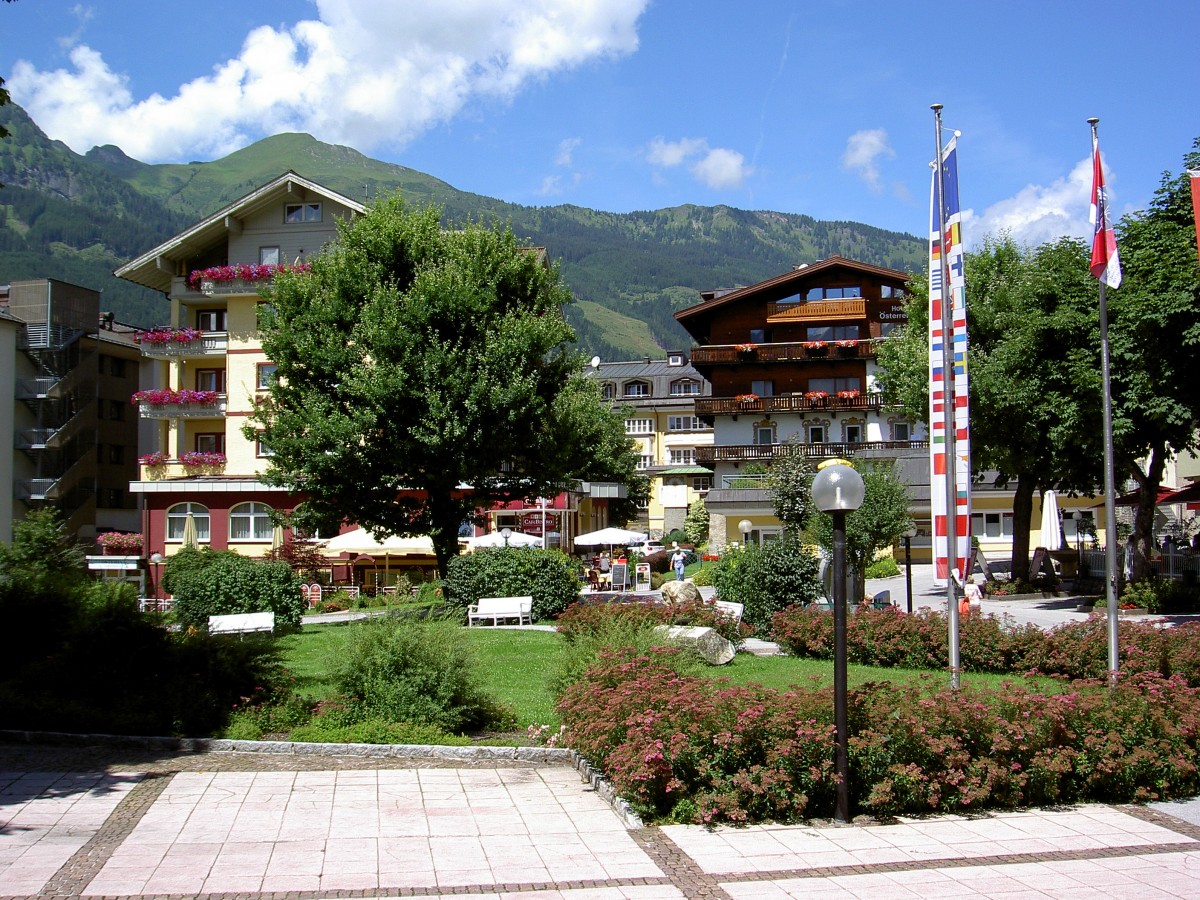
(177, 517)
(250, 522)
(609, 391)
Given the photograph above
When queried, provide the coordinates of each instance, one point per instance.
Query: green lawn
(516, 666)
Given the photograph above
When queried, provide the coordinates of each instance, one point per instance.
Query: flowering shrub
(157, 458)
(689, 749)
(197, 458)
(241, 272)
(160, 396)
(161, 336)
(592, 618)
(116, 540)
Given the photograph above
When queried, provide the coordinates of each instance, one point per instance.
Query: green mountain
(79, 217)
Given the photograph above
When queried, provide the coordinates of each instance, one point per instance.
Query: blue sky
(819, 108)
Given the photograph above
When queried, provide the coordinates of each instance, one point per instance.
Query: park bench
(241, 623)
(501, 609)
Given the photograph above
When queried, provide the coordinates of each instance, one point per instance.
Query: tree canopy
(424, 373)
(877, 523)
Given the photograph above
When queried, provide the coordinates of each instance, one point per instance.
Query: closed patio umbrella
(190, 535)
(277, 537)
(1051, 537)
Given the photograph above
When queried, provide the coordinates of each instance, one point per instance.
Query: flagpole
(948, 414)
(1110, 502)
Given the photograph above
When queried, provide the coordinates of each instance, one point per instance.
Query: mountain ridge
(78, 217)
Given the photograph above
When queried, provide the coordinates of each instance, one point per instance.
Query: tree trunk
(444, 519)
(1022, 519)
(1143, 522)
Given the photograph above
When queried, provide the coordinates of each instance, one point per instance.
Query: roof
(146, 269)
(716, 299)
(687, 470)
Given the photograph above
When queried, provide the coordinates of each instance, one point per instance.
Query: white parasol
(1051, 537)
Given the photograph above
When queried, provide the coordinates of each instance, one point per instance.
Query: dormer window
(637, 389)
(608, 391)
(297, 213)
(674, 359)
(685, 387)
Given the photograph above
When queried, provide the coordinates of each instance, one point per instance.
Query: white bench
(241, 623)
(500, 609)
(730, 610)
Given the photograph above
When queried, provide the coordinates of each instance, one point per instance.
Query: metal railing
(184, 410)
(732, 406)
(730, 354)
(746, 452)
(211, 343)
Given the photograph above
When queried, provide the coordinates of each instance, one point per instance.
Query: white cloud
(717, 167)
(863, 151)
(1039, 213)
(566, 151)
(362, 73)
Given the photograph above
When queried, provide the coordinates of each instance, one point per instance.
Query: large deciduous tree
(424, 373)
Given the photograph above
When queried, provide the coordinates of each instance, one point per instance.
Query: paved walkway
(119, 822)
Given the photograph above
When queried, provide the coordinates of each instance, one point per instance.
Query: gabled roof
(154, 268)
(779, 284)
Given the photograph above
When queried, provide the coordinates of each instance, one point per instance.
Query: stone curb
(552, 755)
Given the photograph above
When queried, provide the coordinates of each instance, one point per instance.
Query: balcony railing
(732, 354)
(827, 310)
(173, 468)
(751, 452)
(211, 343)
(732, 406)
(214, 410)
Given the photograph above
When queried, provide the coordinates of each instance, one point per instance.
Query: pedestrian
(678, 561)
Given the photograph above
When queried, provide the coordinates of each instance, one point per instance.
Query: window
(639, 426)
(901, 431)
(758, 335)
(816, 434)
(250, 522)
(833, 293)
(885, 291)
(854, 434)
(116, 454)
(211, 442)
(886, 328)
(116, 410)
(637, 389)
(297, 213)
(674, 359)
(268, 256)
(116, 366)
(645, 461)
(113, 498)
(685, 387)
(763, 388)
(702, 484)
(832, 333)
(684, 456)
(609, 391)
(210, 380)
(211, 320)
(265, 376)
(764, 435)
(684, 423)
(991, 525)
(177, 517)
(261, 449)
(833, 385)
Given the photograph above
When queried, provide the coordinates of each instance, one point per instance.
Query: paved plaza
(105, 821)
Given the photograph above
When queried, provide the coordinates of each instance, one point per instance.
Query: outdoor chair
(593, 579)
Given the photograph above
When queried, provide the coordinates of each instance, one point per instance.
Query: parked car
(647, 547)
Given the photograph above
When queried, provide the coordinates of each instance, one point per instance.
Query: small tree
(767, 578)
(878, 523)
(41, 551)
(790, 482)
(220, 582)
(695, 526)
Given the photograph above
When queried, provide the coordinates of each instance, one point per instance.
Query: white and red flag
(1106, 262)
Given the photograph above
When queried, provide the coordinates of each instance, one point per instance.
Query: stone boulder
(712, 648)
(680, 592)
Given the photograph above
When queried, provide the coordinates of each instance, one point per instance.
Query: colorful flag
(1194, 174)
(947, 282)
(1106, 263)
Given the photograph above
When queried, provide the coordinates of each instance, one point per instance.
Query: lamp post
(1077, 516)
(837, 489)
(506, 533)
(744, 527)
(908, 536)
(156, 560)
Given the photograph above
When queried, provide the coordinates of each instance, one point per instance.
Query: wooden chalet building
(791, 361)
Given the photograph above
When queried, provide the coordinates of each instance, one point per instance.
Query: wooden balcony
(787, 403)
(731, 355)
(824, 310)
(766, 452)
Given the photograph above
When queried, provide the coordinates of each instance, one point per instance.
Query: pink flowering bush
(157, 458)
(686, 748)
(197, 458)
(161, 396)
(161, 336)
(241, 272)
(117, 540)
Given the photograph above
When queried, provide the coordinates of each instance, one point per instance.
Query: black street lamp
(837, 489)
(908, 536)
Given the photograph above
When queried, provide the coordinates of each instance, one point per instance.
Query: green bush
(219, 582)
(766, 579)
(884, 567)
(414, 670)
(376, 731)
(549, 576)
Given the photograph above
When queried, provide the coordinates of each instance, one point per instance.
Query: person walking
(678, 561)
